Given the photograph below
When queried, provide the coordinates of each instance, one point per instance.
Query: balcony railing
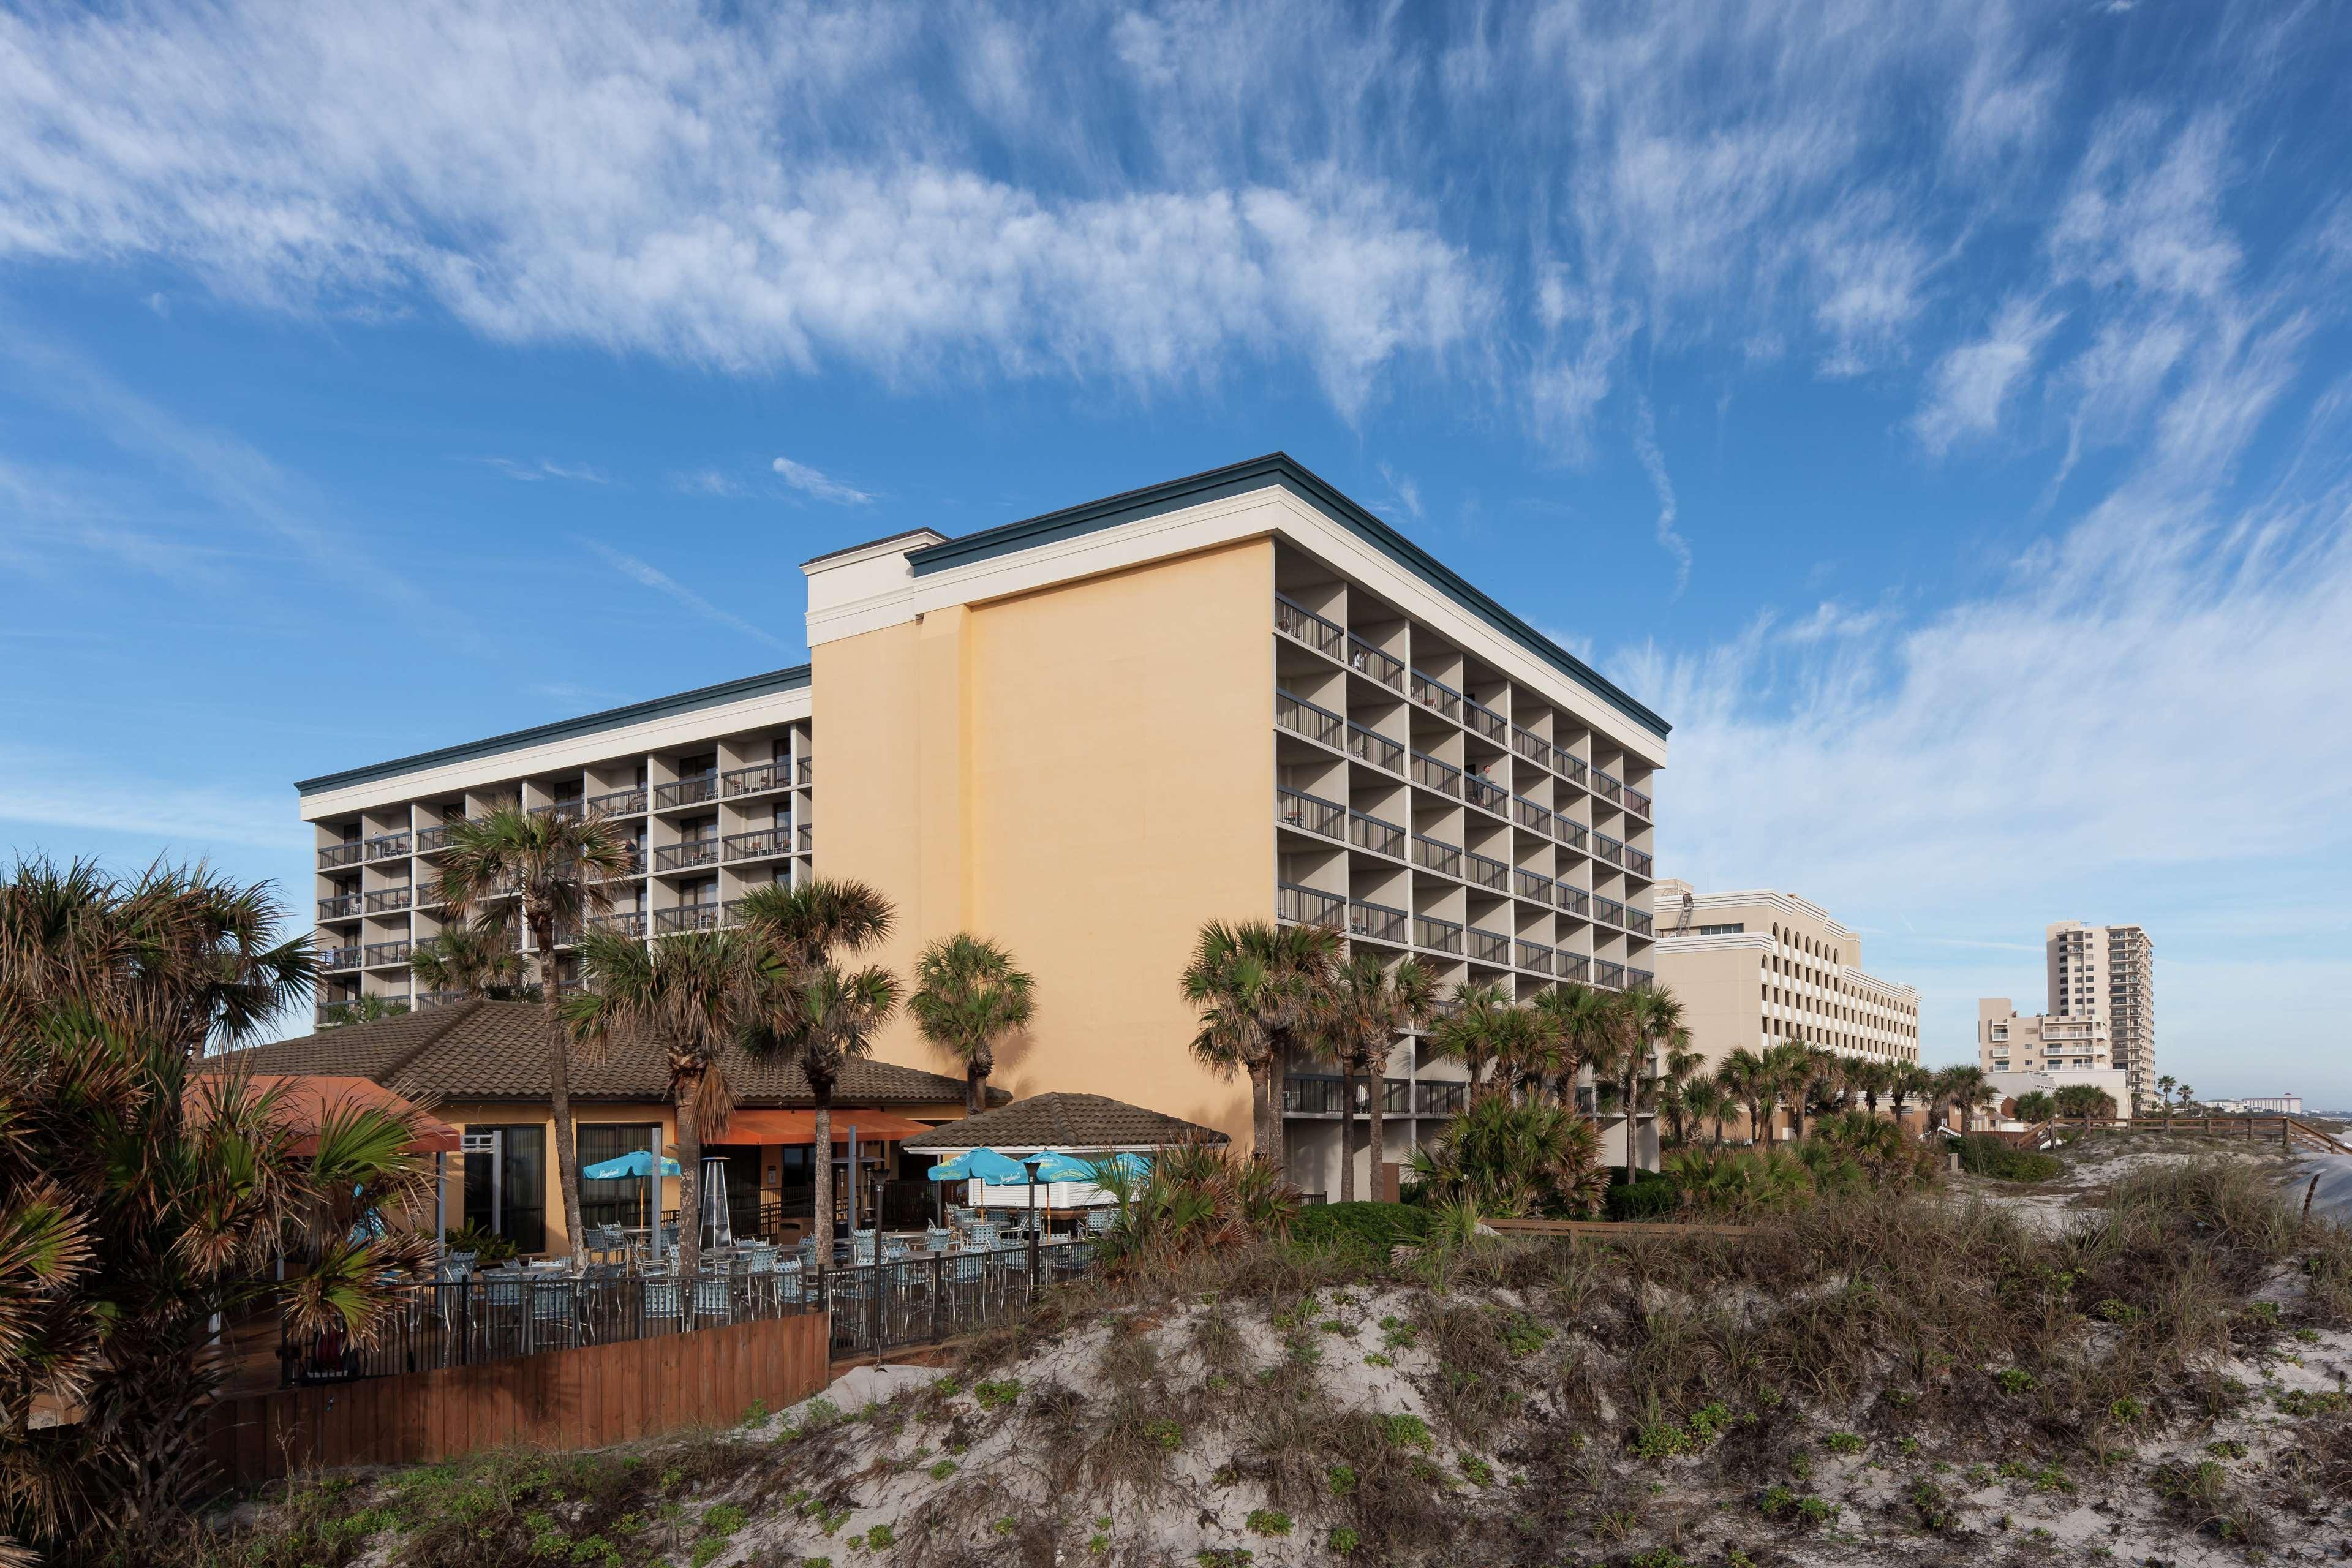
(1531, 816)
(1485, 794)
(1638, 977)
(685, 917)
(760, 846)
(633, 864)
(1304, 717)
(563, 810)
(619, 802)
(1609, 909)
(1363, 657)
(387, 846)
(800, 775)
(1533, 885)
(1636, 802)
(806, 837)
(1606, 785)
(1484, 721)
(387, 900)
(1309, 906)
(1297, 621)
(1535, 955)
(1436, 935)
(427, 1000)
(1375, 923)
(434, 839)
(685, 857)
(692, 790)
(342, 907)
(1487, 947)
(1443, 777)
(1607, 974)
(1610, 850)
(330, 958)
(1444, 858)
(1371, 833)
(1535, 748)
(1439, 1097)
(1313, 1094)
(620, 922)
(1567, 767)
(380, 954)
(1309, 813)
(1573, 901)
(1637, 922)
(1434, 694)
(1572, 966)
(758, 780)
(1637, 862)
(1369, 746)
(1488, 872)
(335, 855)
(1569, 831)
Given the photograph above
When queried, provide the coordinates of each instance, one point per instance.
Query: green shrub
(1406, 1431)
(1651, 1194)
(1344, 1539)
(1844, 1443)
(1368, 1231)
(1983, 1155)
(1268, 1522)
(997, 1395)
(1343, 1479)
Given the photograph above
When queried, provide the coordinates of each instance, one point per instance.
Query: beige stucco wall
(1083, 773)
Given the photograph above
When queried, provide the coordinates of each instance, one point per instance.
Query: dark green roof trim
(725, 692)
(1258, 473)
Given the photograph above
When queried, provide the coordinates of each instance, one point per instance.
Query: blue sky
(1940, 412)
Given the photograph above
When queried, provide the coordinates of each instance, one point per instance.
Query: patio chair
(807, 1250)
(1100, 1220)
(936, 1239)
(662, 1299)
(787, 1282)
(894, 1249)
(554, 1313)
(714, 1299)
(861, 1248)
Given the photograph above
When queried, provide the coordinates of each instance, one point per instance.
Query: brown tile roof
(1064, 1122)
(496, 1050)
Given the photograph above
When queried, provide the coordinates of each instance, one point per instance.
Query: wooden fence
(1612, 1229)
(2287, 1131)
(582, 1398)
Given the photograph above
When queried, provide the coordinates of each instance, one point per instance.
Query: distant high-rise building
(2108, 972)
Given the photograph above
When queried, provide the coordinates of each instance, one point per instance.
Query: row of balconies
(1328, 819)
(739, 848)
(1313, 1096)
(1336, 643)
(1369, 922)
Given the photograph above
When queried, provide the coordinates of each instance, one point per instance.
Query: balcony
(1635, 978)
(1611, 974)
(806, 837)
(1302, 624)
(1366, 659)
(1636, 802)
(1610, 850)
(428, 1000)
(1435, 694)
(1484, 721)
(1531, 816)
(764, 845)
(1295, 905)
(1534, 748)
(757, 780)
(1313, 1094)
(1637, 922)
(1309, 813)
(335, 855)
(1567, 831)
(1431, 773)
(620, 922)
(433, 840)
(1637, 862)
(693, 791)
(1606, 786)
(1609, 909)
(1487, 947)
(1375, 923)
(563, 810)
(1485, 794)
(388, 847)
(331, 958)
(1438, 1097)
(685, 918)
(1487, 872)
(800, 775)
(1371, 833)
(382, 953)
(1536, 956)
(1566, 766)
(387, 900)
(687, 856)
(1572, 966)
(1301, 717)
(1369, 746)
(1533, 885)
(633, 864)
(619, 803)
(342, 907)
(1436, 935)
(1573, 901)
(1432, 855)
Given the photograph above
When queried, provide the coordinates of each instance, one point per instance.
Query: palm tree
(685, 995)
(367, 1009)
(2036, 1108)
(2084, 1100)
(1869, 1080)
(1685, 1094)
(1705, 1100)
(1907, 1082)
(1356, 1023)
(472, 962)
(1485, 1026)
(1798, 1066)
(1749, 1080)
(1966, 1087)
(1585, 1022)
(1653, 1023)
(548, 872)
(1254, 986)
(803, 1008)
(2164, 1088)
(968, 995)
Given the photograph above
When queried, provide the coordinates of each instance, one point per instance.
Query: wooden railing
(1615, 1230)
(2289, 1131)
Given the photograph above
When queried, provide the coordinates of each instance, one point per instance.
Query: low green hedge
(1651, 1196)
(1986, 1155)
(1370, 1229)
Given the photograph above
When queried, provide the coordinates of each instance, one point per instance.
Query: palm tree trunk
(689, 1193)
(1262, 1136)
(558, 1090)
(975, 1089)
(1277, 1077)
(1347, 1135)
(822, 1221)
(1633, 1150)
(1375, 1138)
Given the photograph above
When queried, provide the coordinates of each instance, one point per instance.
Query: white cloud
(1404, 495)
(1973, 381)
(1653, 463)
(709, 482)
(542, 469)
(810, 482)
(661, 582)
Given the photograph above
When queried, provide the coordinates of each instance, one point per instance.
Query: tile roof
(495, 1050)
(1064, 1122)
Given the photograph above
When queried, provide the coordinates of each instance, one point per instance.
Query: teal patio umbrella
(638, 1162)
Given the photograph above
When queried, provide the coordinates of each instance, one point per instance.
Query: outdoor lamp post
(1030, 1164)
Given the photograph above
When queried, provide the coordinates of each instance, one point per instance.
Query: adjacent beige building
(1752, 969)
(2024, 1052)
(2108, 972)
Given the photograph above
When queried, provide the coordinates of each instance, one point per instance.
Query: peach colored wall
(1083, 773)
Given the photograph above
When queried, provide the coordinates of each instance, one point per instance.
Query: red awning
(305, 1099)
(761, 1127)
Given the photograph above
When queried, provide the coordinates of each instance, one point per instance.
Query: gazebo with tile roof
(1075, 1123)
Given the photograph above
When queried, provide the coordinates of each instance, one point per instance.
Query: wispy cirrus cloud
(648, 575)
(542, 468)
(818, 486)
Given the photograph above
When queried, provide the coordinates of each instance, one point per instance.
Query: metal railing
(1375, 923)
(1637, 862)
(1309, 906)
(1637, 922)
(1434, 694)
(1535, 955)
(1441, 777)
(692, 790)
(1367, 745)
(1574, 900)
(1572, 966)
(1635, 800)
(1439, 1097)
(1607, 974)
(1566, 766)
(335, 855)
(1606, 785)
(802, 769)
(1488, 872)
(1484, 721)
(1569, 831)
(759, 846)
(1637, 977)
(620, 922)
(686, 856)
(1608, 909)
(1304, 717)
(1383, 667)
(1533, 885)
(685, 917)
(758, 779)
(434, 839)
(806, 837)
(1487, 946)
(1317, 1094)
(1535, 748)
(387, 846)
(1371, 833)
(1436, 935)
(426, 1000)
(1610, 850)
(1436, 854)
(1309, 813)
(386, 900)
(380, 954)
(1485, 794)
(619, 802)
(1531, 816)
(1295, 620)
(342, 907)
(328, 958)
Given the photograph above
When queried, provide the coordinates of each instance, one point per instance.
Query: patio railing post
(1033, 1263)
(874, 1300)
(938, 1279)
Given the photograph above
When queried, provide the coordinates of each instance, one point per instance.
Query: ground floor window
(624, 1201)
(505, 1183)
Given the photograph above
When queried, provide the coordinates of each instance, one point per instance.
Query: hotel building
(2045, 1051)
(1753, 969)
(1233, 696)
(2108, 972)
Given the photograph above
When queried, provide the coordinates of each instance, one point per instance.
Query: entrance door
(505, 1183)
(483, 1158)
